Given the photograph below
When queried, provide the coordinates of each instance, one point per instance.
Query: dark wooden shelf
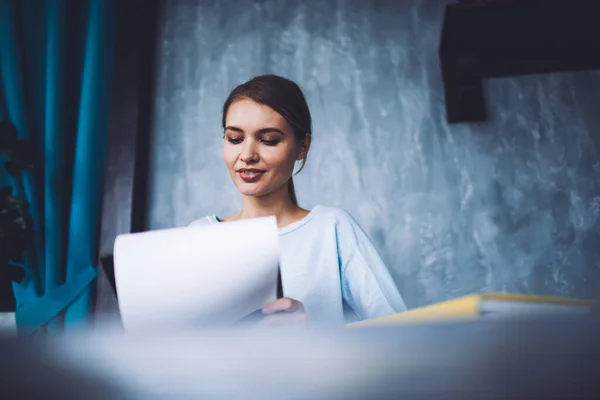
(485, 39)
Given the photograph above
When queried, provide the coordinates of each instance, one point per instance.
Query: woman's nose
(249, 153)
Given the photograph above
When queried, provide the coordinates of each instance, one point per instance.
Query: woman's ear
(304, 147)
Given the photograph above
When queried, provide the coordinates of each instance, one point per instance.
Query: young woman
(330, 270)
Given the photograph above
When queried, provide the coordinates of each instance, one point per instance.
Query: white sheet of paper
(211, 275)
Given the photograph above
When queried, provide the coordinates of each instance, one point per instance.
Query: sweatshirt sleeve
(367, 285)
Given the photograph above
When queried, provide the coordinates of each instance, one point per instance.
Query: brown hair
(286, 98)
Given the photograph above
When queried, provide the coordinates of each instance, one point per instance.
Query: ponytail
(292, 188)
(292, 192)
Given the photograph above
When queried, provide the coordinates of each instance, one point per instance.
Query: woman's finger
(284, 304)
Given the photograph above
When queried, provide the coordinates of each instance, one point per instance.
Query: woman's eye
(271, 142)
(234, 140)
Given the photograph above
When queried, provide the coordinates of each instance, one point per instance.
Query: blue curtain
(56, 58)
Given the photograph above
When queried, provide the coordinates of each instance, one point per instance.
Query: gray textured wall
(512, 204)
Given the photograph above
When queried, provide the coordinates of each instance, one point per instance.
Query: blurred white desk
(7, 322)
(525, 358)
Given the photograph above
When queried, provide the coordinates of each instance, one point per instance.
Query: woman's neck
(277, 204)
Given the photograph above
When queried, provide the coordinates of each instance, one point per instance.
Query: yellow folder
(478, 305)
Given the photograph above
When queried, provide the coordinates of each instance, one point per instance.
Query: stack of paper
(486, 305)
(207, 276)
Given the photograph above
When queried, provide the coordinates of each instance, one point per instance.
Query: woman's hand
(284, 311)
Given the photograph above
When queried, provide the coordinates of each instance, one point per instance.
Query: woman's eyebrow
(260, 132)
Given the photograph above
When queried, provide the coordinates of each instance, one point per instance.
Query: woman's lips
(251, 175)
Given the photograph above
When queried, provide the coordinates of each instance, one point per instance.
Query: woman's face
(260, 148)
